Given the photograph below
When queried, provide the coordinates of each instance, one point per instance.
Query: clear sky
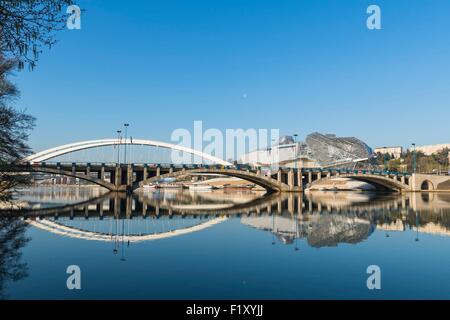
(300, 66)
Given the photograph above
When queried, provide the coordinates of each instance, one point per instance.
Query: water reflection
(223, 239)
(12, 240)
(323, 219)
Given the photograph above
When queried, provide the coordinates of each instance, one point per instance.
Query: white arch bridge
(128, 177)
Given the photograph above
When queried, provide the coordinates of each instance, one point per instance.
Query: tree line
(437, 162)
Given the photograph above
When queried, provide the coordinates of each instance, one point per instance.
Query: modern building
(318, 150)
(395, 152)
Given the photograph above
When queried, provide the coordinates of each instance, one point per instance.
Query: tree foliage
(26, 26)
(14, 130)
(437, 162)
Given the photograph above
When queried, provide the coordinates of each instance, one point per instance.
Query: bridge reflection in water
(321, 218)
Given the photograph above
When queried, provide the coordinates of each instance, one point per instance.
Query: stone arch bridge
(128, 177)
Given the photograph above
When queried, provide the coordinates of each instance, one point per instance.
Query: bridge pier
(118, 177)
(129, 175)
(102, 172)
(74, 172)
(145, 172)
(291, 180)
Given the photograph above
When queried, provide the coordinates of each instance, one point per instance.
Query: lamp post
(414, 157)
(126, 125)
(118, 146)
(295, 150)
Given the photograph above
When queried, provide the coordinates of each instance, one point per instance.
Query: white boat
(171, 186)
(200, 187)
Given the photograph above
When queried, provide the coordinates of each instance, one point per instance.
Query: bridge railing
(149, 165)
(355, 171)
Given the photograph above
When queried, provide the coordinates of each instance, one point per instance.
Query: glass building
(318, 150)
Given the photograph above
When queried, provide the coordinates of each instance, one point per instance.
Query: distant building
(318, 150)
(433, 148)
(395, 152)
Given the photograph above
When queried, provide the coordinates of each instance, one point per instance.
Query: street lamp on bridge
(414, 157)
(126, 125)
(295, 151)
(118, 146)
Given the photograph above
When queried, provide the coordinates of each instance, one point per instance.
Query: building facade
(428, 150)
(318, 150)
(395, 152)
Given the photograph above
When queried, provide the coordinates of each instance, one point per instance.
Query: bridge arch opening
(268, 183)
(70, 175)
(380, 183)
(426, 186)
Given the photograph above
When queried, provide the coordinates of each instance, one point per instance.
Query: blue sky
(300, 66)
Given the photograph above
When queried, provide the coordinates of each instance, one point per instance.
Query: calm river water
(177, 244)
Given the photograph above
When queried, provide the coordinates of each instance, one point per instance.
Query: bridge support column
(319, 175)
(279, 176)
(117, 176)
(171, 169)
(129, 176)
(309, 177)
(145, 172)
(158, 171)
(299, 178)
(88, 169)
(102, 172)
(74, 172)
(291, 180)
